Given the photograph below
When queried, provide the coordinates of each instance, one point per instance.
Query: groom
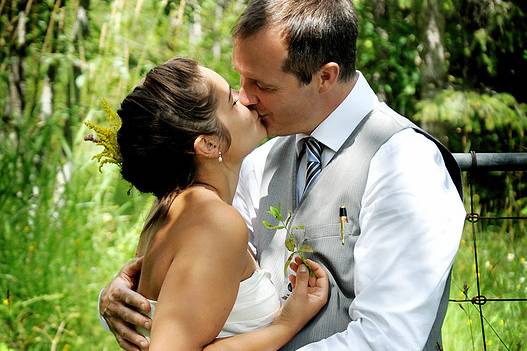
(389, 256)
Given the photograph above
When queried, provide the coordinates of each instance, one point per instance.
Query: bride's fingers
(296, 263)
(317, 269)
(312, 277)
(293, 266)
(321, 277)
(302, 277)
(312, 281)
(292, 279)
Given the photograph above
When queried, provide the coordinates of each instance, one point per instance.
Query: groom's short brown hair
(315, 31)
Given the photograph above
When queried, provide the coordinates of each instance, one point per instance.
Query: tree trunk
(196, 32)
(80, 31)
(379, 9)
(216, 47)
(16, 102)
(434, 67)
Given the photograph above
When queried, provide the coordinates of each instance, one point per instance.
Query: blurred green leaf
(290, 242)
(288, 261)
(270, 226)
(276, 213)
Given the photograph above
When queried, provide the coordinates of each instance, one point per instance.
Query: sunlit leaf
(276, 213)
(290, 242)
(288, 219)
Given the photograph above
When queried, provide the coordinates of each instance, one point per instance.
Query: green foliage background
(65, 228)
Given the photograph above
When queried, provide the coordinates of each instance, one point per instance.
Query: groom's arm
(411, 221)
(119, 306)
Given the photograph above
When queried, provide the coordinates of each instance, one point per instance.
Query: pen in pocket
(343, 217)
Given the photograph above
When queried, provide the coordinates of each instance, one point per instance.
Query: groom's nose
(246, 96)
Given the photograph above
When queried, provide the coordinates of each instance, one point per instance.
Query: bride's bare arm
(201, 285)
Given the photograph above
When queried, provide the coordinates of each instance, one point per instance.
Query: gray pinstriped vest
(341, 182)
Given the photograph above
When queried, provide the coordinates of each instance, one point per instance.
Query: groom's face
(284, 105)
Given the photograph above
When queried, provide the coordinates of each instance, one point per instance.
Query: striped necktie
(314, 164)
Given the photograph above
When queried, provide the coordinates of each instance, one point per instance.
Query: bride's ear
(207, 146)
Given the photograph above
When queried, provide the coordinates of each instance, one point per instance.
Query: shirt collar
(337, 127)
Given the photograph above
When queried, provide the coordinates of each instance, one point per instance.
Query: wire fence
(475, 164)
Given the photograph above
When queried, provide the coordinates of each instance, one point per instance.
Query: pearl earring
(220, 158)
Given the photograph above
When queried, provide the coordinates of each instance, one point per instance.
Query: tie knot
(314, 164)
(314, 148)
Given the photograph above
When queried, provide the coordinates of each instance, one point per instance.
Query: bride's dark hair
(161, 118)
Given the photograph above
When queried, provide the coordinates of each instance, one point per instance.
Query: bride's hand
(309, 295)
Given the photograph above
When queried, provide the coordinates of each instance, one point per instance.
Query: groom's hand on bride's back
(119, 306)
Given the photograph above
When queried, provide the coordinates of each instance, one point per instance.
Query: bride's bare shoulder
(205, 214)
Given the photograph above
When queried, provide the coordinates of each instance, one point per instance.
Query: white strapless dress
(256, 305)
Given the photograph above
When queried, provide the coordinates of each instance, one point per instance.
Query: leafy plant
(292, 244)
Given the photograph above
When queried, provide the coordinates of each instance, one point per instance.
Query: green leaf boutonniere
(291, 242)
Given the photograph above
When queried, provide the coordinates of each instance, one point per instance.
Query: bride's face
(244, 126)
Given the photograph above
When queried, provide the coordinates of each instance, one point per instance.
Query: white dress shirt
(407, 243)
(335, 129)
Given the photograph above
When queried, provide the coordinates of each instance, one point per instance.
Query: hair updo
(161, 118)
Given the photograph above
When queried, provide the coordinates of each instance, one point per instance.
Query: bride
(183, 138)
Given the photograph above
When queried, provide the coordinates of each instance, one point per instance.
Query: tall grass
(65, 228)
(502, 271)
(64, 233)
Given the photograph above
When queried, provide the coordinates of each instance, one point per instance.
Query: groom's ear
(328, 76)
(207, 146)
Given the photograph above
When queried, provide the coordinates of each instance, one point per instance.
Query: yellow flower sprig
(106, 137)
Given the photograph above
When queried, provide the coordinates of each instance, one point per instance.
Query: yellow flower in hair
(106, 137)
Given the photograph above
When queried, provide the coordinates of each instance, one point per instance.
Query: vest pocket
(335, 254)
(327, 231)
(327, 241)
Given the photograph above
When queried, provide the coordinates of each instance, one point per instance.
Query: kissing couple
(379, 273)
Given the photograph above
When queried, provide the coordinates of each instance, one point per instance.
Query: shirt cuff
(101, 318)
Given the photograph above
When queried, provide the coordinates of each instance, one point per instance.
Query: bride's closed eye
(235, 96)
